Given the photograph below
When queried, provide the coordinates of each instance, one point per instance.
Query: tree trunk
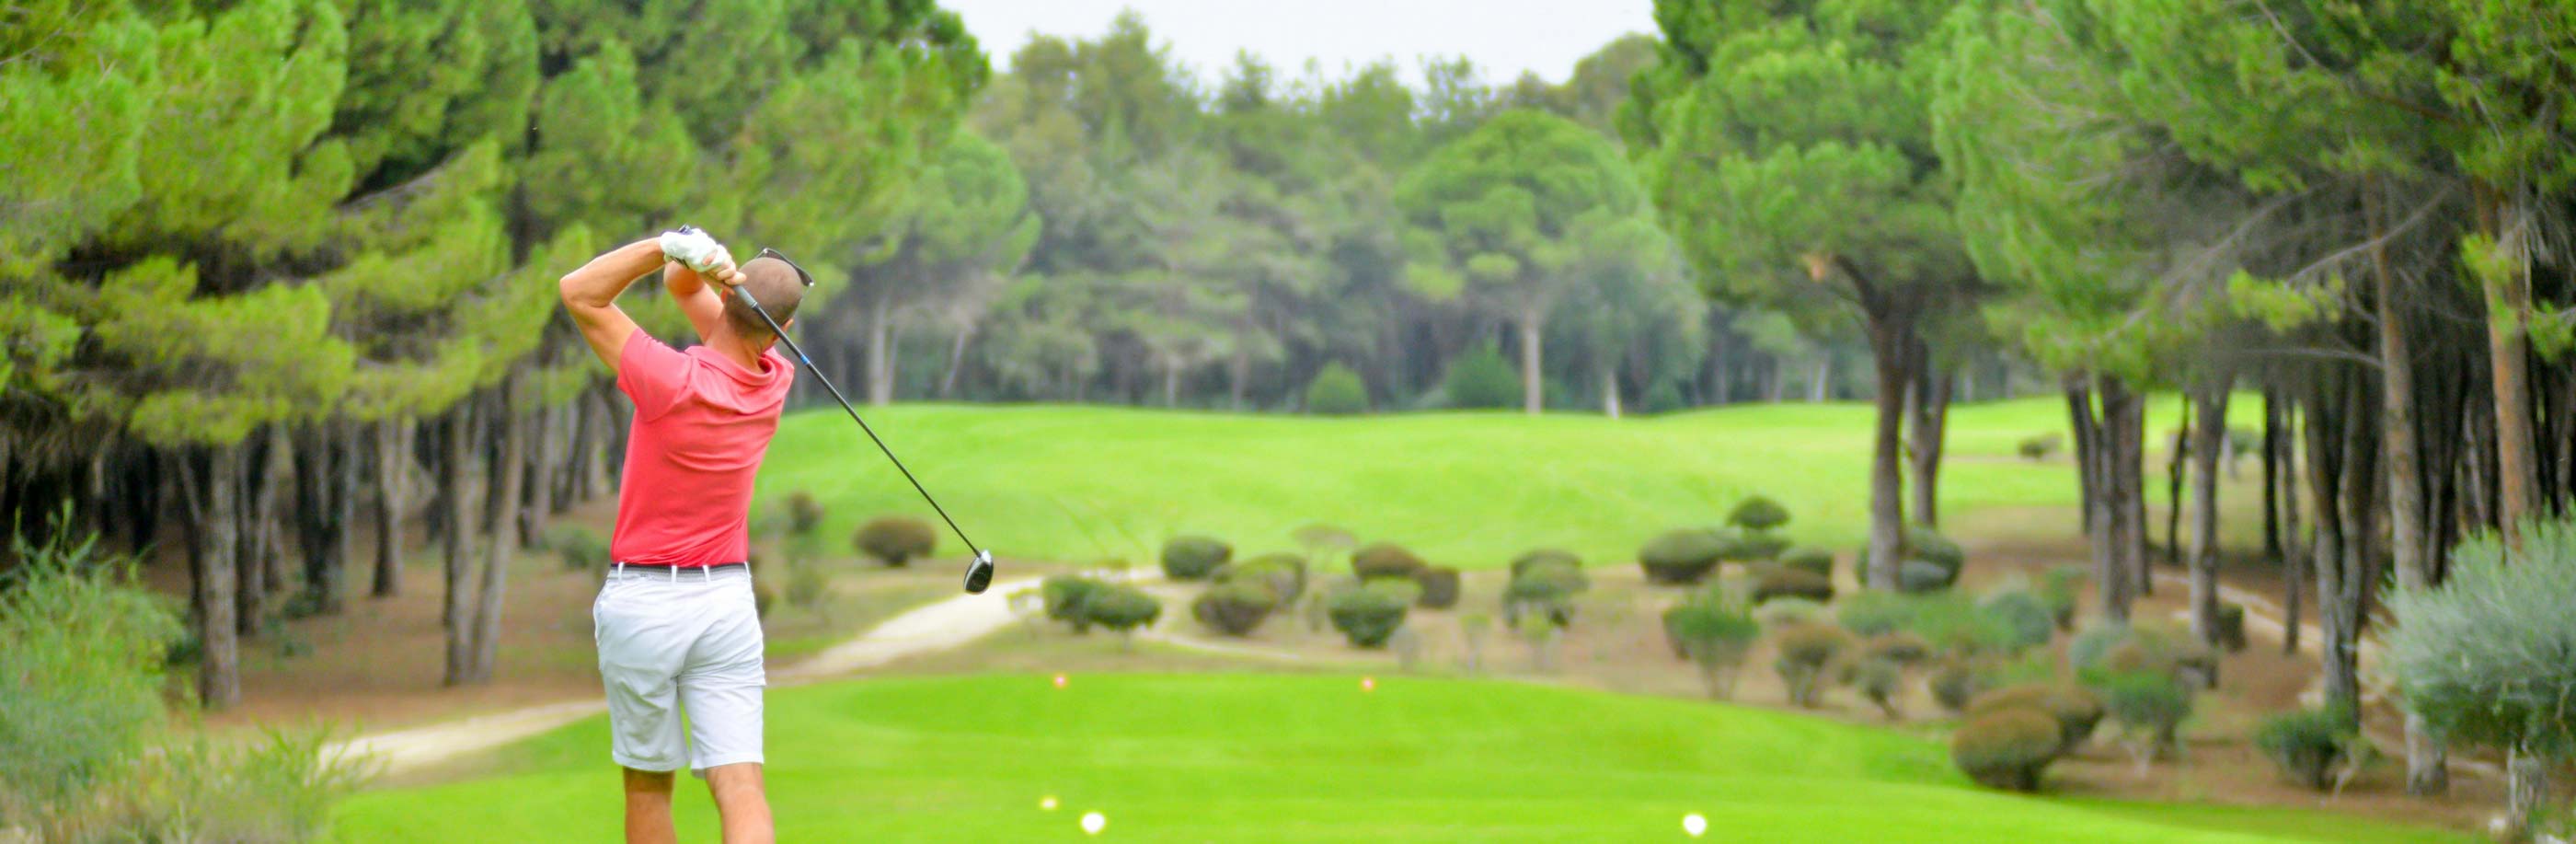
(212, 511)
(2128, 442)
(1719, 390)
(457, 433)
(956, 359)
(2087, 431)
(503, 543)
(2294, 553)
(880, 352)
(1533, 379)
(2526, 787)
(1172, 382)
(259, 567)
(2508, 343)
(1609, 393)
(1238, 371)
(2209, 441)
(2113, 529)
(2333, 454)
(2426, 771)
(1891, 342)
(2271, 475)
(2177, 468)
(1820, 386)
(393, 464)
(1931, 417)
(322, 493)
(535, 504)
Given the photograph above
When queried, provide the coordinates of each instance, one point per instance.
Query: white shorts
(674, 641)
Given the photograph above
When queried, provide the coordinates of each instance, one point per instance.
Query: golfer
(675, 621)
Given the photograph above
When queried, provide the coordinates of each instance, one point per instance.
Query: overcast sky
(1503, 37)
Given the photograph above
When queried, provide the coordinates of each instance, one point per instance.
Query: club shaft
(781, 333)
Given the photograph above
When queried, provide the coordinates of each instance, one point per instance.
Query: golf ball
(1093, 823)
(1047, 803)
(1059, 681)
(1694, 825)
(1368, 684)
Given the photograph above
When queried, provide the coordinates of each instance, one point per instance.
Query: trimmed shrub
(2040, 446)
(2024, 614)
(1872, 613)
(2006, 749)
(2483, 656)
(1368, 613)
(1752, 545)
(1543, 589)
(2150, 708)
(1880, 682)
(1122, 608)
(895, 540)
(1439, 587)
(1758, 512)
(81, 660)
(1806, 651)
(1682, 557)
(1066, 595)
(2144, 646)
(1900, 647)
(1955, 624)
(578, 547)
(1783, 613)
(1715, 637)
(2310, 745)
(1318, 537)
(1235, 608)
(1928, 545)
(2091, 644)
(1336, 391)
(1384, 559)
(1194, 557)
(2059, 588)
(1792, 583)
(2231, 627)
(1285, 574)
(1956, 684)
(1817, 561)
(804, 514)
(1917, 577)
(1480, 378)
(1545, 557)
(2076, 709)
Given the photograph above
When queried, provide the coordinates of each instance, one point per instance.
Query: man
(675, 621)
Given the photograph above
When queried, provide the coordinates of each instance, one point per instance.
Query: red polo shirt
(702, 423)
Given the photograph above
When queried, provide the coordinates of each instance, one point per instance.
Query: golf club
(979, 573)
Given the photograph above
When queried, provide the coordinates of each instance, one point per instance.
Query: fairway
(1463, 489)
(1254, 758)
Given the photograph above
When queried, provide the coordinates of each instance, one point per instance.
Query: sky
(1503, 37)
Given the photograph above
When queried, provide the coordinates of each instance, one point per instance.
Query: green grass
(1465, 489)
(1258, 758)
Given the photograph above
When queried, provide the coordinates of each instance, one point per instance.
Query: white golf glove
(693, 248)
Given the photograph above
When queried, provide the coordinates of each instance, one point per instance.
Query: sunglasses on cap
(801, 275)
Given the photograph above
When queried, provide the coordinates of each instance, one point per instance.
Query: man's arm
(590, 295)
(704, 305)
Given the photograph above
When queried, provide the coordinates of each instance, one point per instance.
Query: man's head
(778, 287)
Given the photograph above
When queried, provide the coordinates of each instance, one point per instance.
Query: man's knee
(648, 783)
(740, 780)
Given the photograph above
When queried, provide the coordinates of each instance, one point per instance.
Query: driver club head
(979, 573)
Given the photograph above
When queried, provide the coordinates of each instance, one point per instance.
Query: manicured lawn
(1465, 489)
(1268, 758)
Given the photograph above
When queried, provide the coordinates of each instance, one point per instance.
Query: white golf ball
(1368, 684)
(1093, 823)
(1694, 825)
(1059, 681)
(1047, 803)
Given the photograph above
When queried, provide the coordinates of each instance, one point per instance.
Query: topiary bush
(2059, 587)
(1928, 545)
(1480, 378)
(804, 514)
(1817, 561)
(2310, 745)
(2231, 627)
(1122, 608)
(1752, 545)
(1439, 587)
(2006, 749)
(1682, 557)
(1194, 557)
(1899, 647)
(1806, 652)
(1543, 589)
(1065, 596)
(895, 540)
(1784, 613)
(2024, 614)
(1917, 577)
(1384, 559)
(1235, 608)
(1792, 583)
(1956, 625)
(1336, 391)
(1881, 683)
(2144, 646)
(1955, 684)
(2040, 446)
(1715, 636)
(1758, 512)
(1872, 613)
(1285, 574)
(2149, 708)
(2483, 657)
(578, 547)
(1368, 613)
(2076, 709)
(1545, 557)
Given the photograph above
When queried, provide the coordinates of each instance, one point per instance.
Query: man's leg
(742, 802)
(648, 807)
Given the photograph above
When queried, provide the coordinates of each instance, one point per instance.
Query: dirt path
(937, 626)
